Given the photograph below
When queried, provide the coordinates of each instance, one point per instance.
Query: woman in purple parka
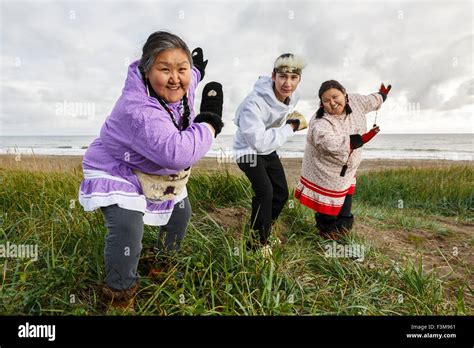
(136, 170)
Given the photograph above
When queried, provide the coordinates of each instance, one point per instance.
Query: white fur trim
(293, 62)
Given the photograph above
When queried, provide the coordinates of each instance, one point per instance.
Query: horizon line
(91, 135)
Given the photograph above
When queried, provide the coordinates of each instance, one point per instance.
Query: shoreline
(292, 166)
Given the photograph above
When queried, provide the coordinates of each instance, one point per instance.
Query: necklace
(170, 112)
(184, 105)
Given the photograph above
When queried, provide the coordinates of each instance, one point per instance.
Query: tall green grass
(213, 274)
(448, 192)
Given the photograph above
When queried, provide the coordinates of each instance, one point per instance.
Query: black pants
(330, 223)
(270, 191)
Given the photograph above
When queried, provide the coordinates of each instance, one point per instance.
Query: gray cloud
(464, 95)
(78, 52)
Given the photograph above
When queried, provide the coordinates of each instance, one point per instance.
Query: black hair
(158, 42)
(328, 85)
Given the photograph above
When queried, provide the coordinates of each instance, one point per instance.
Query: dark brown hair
(328, 85)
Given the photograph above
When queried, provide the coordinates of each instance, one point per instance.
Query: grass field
(415, 226)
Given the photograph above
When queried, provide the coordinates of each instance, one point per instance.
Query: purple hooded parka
(139, 134)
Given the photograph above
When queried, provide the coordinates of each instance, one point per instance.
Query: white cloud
(77, 52)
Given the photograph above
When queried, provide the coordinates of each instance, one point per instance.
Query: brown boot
(119, 301)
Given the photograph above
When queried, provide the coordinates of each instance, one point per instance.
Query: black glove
(294, 122)
(356, 141)
(213, 119)
(212, 98)
(211, 106)
(198, 61)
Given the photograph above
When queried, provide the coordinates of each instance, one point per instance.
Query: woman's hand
(198, 61)
(384, 90)
(370, 134)
(211, 106)
(357, 140)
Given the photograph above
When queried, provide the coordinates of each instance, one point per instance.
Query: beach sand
(209, 164)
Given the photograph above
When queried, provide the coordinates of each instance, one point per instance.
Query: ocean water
(383, 146)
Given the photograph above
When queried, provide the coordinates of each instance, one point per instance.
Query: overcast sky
(63, 64)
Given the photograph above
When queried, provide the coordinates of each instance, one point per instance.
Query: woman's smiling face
(334, 101)
(170, 75)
